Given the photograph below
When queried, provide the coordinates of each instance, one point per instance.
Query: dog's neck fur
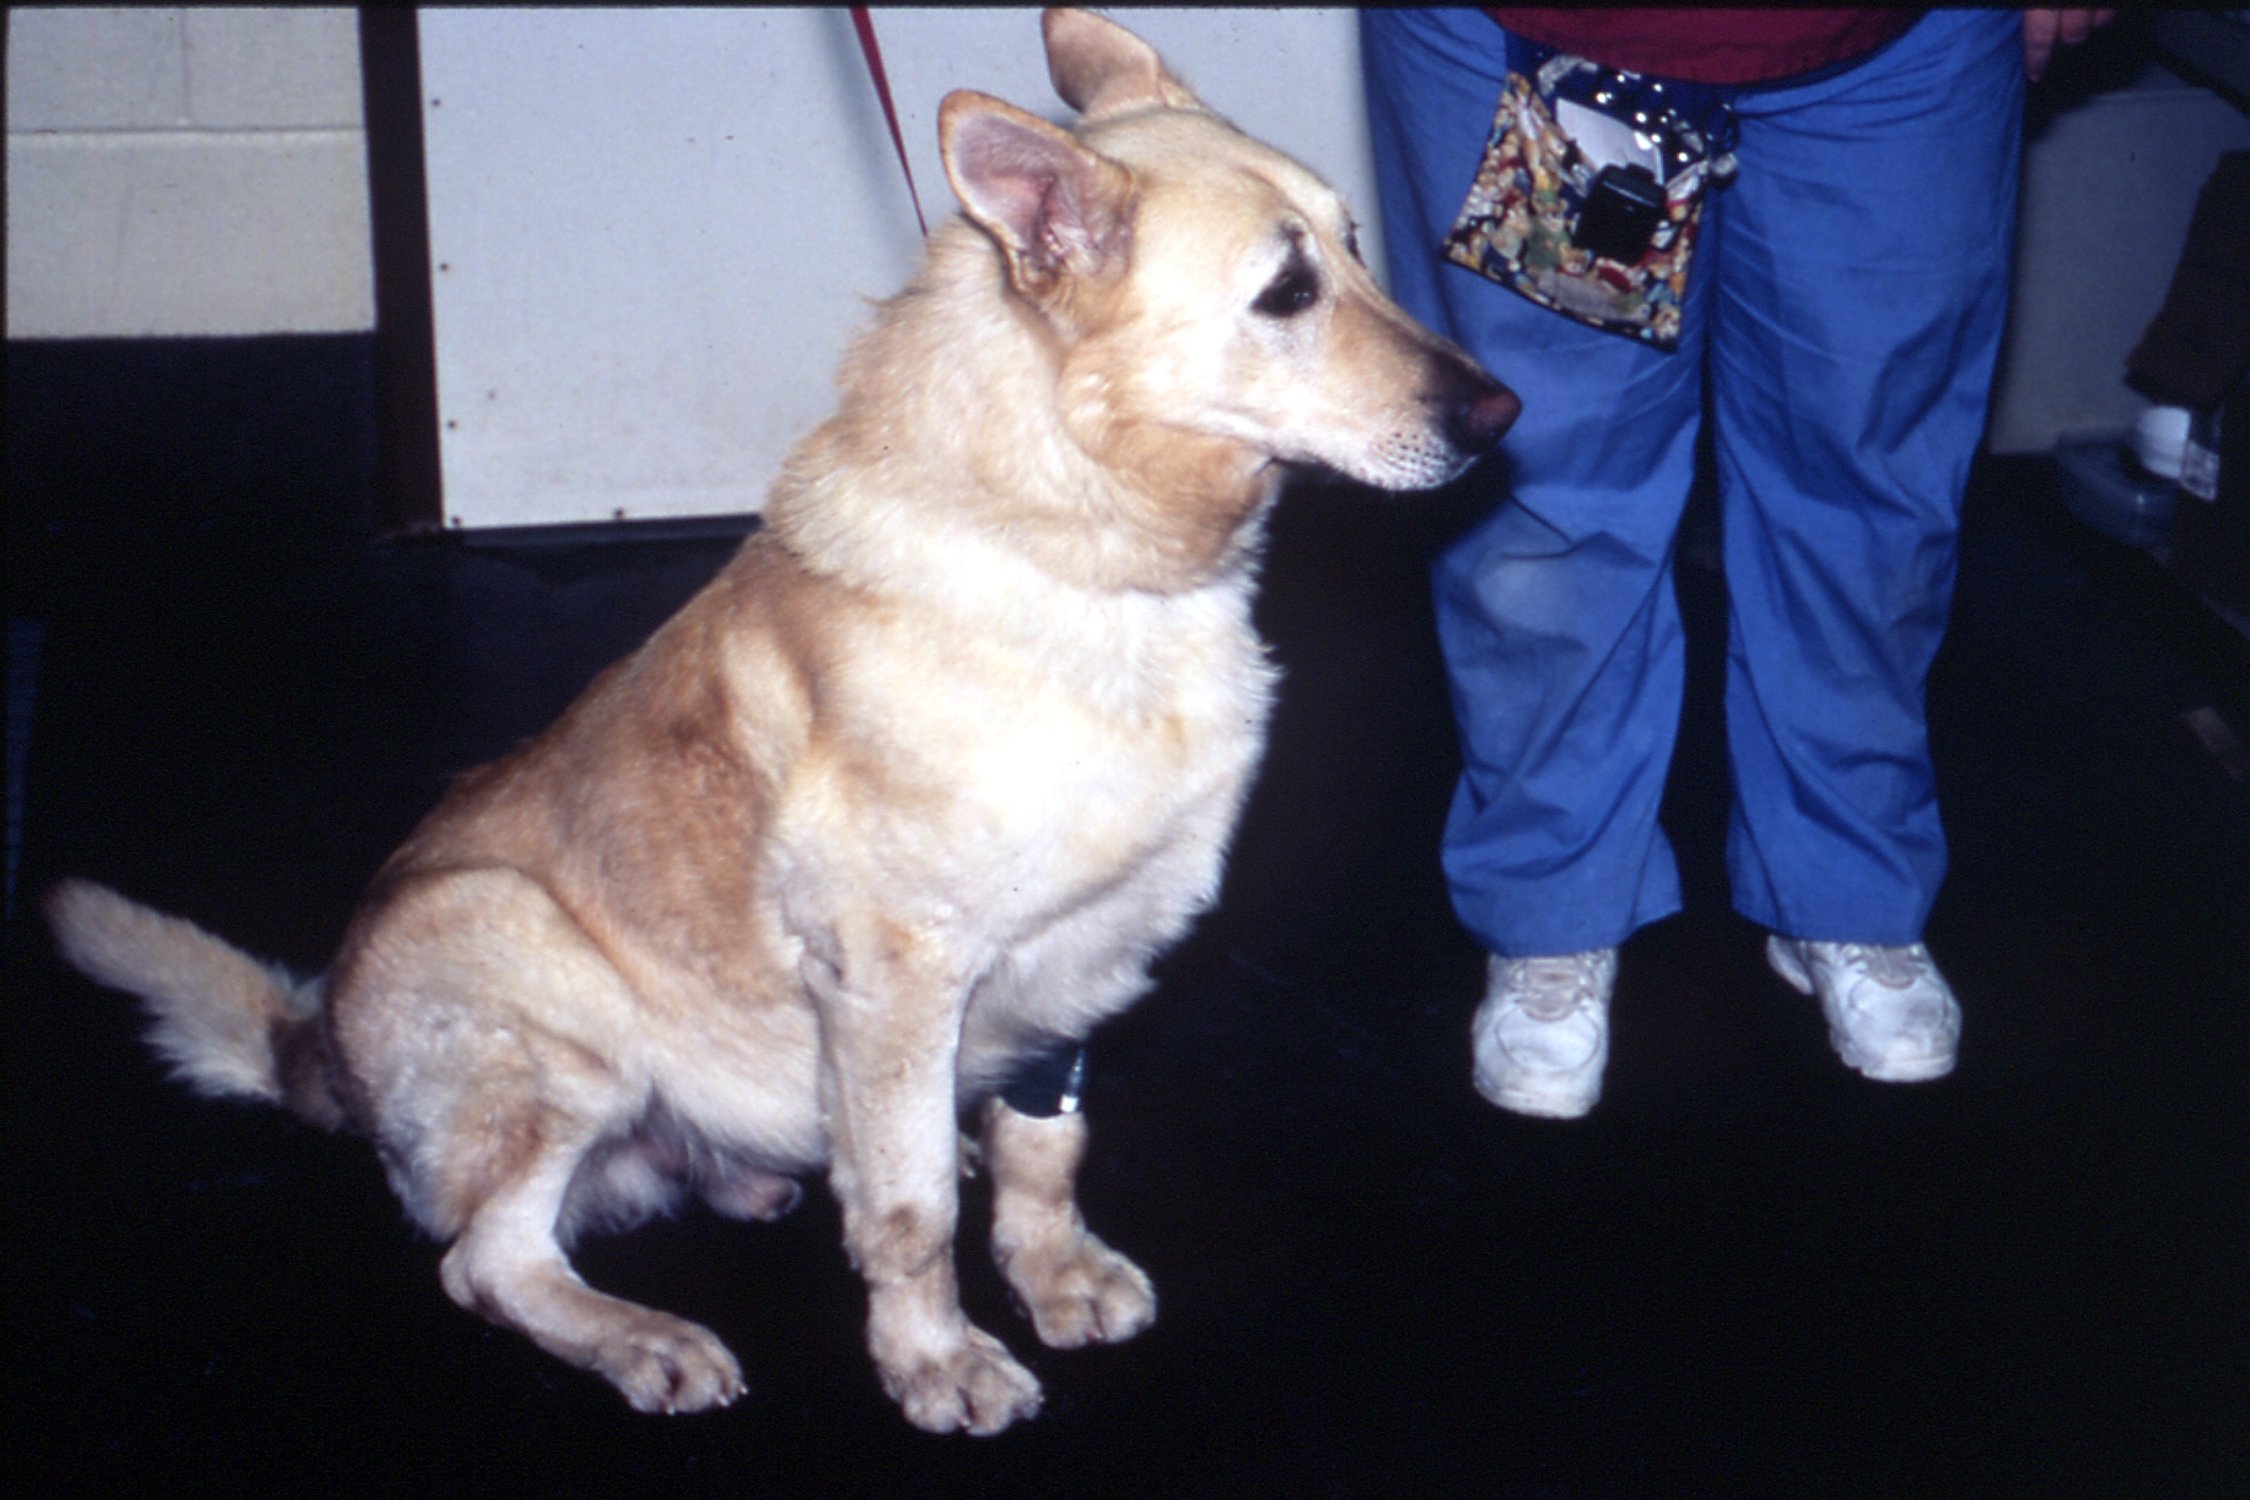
(961, 400)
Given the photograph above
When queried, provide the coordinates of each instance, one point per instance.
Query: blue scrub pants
(1840, 326)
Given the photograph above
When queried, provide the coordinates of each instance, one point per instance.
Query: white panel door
(653, 231)
(650, 234)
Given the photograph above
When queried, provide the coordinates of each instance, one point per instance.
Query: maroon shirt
(1724, 46)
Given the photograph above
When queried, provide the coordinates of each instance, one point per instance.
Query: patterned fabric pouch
(1591, 190)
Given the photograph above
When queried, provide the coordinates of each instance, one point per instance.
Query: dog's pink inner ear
(1051, 203)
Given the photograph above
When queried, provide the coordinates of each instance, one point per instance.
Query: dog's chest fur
(1008, 777)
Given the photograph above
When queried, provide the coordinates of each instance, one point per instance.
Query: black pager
(1623, 208)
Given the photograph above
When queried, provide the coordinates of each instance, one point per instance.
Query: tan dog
(906, 798)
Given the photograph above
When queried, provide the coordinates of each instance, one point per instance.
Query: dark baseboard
(144, 441)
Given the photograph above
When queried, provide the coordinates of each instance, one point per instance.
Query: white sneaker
(1890, 1012)
(1542, 1033)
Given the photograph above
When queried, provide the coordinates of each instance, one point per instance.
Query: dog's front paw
(1080, 1293)
(974, 1386)
(667, 1364)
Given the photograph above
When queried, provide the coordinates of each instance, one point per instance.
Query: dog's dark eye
(1351, 243)
(1294, 290)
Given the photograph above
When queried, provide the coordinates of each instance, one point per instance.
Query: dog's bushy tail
(228, 1024)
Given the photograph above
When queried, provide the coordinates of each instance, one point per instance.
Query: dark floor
(1748, 1273)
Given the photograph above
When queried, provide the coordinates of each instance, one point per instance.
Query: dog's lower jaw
(1176, 510)
(1163, 529)
(1145, 547)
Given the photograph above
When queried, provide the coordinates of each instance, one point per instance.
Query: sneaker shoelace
(1894, 968)
(1551, 988)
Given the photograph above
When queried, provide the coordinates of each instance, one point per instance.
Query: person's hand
(2043, 29)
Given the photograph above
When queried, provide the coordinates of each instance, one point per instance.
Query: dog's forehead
(1195, 165)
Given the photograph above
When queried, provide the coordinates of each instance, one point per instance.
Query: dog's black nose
(1474, 408)
(1480, 414)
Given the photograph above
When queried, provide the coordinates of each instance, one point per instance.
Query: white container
(2099, 486)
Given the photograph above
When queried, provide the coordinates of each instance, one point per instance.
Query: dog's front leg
(890, 1033)
(1075, 1289)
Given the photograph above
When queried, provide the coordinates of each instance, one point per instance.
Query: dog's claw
(976, 1387)
(672, 1367)
(1089, 1294)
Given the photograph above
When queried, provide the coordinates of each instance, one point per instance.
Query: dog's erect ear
(1054, 206)
(1099, 68)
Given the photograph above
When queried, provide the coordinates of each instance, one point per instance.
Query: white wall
(185, 172)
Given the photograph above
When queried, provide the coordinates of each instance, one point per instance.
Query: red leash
(864, 24)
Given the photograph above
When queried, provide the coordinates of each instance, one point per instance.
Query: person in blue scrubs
(1838, 330)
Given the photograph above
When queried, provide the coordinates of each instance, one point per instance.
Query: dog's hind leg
(1075, 1289)
(503, 1129)
(508, 1265)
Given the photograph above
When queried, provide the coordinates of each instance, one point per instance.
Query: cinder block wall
(185, 172)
